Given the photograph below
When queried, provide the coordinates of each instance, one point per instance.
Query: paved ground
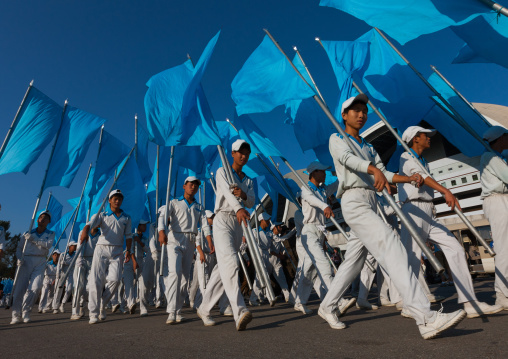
(278, 332)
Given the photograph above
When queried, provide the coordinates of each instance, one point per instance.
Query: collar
(237, 175)
(109, 212)
(420, 158)
(315, 188)
(52, 262)
(39, 234)
(182, 198)
(355, 140)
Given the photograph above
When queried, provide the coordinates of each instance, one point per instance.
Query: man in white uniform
(361, 212)
(184, 214)
(107, 262)
(31, 263)
(63, 267)
(494, 179)
(48, 285)
(276, 256)
(230, 213)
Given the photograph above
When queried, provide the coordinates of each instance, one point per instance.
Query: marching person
(184, 214)
(63, 267)
(106, 272)
(48, 285)
(361, 212)
(156, 252)
(228, 237)
(31, 263)
(275, 259)
(146, 279)
(494, 179)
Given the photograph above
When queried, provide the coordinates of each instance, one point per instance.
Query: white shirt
(266, 241)
(494, 174)
(50, 269)
(184, 217)
(37, 245)
(113, 228)
(408, 167)
(225, 201)
(349, 166)
(315, 202)
(298, 222)
(139, 250)
(89, 245)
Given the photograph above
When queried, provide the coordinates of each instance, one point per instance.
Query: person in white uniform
(31, 267)
(276, 256)
(494, 180)
(417, 203)
(63, 267)
(48, 285)
(156, 252)
(106, 272)
(230, 213)
(361, 213)
(184, 215)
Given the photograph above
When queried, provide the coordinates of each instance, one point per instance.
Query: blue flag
(39, 121)
(258, 141)
(267, 80)
(55, 208)
(78, 130)
(59, 226)
(142, 154)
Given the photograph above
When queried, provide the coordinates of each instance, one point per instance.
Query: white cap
(142, 221)
(263, 216)
(238, 144)
(359, 98)
(209, 214)
(192, 179)
(316, 165)
(56, 251)
(46, 212)
(73, 243)
(115, 191)
(411, 132)
(494, 133)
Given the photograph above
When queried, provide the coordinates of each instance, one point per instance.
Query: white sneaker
(344, 305)
(299, 307)
(115, 308)
(93, 320)
(26, 320)
(254, 303)
(191, 304)
(179, 318)
(158, 305)
(406, 314)
(46, 310)
(102, 315)
(207, 320)
(39, 311)
(502, 301)
(442, 322)
(475, 309)
(55, 311)
(75, 317)
(245, 318)
(228, 312)
(62, 308)
(16, 320)
(81, 312)
(332, 319)
(383, 302)
(143, 313)
(132, 309)
(171, 318)
(399, 305)
(363, 304)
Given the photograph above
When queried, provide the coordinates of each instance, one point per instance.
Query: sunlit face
(422, 139)
(191, 188)
(241, 157)
(356, 115)
(115, 202)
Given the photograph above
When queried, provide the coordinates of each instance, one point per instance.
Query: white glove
(155, 256)
(27, 236)
(20, 262)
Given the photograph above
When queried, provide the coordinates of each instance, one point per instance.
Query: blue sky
(100, 54)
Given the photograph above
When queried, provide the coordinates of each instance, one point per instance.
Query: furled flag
(38, 123)
(74, 138)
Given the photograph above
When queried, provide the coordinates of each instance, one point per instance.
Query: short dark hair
(244, 145)
(410, 144)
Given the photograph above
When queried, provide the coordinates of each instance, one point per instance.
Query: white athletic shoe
(332, 319)
(476, 309)
(299, 307)
(81, 312)
(245, 318)
(442, 322)
(39, 311)
(399, 305)
(26, 320)
(115, 308)
(502, 301)
(143, 313)
(46, 310)
(344, 305)
(158, 304)
(191, 304)
(132, 309)
(16, 320)
(406, 314)
(55, 311)
(93, 320)
(75, 317)
(102, 315)
(228, 312)
(62, 308)
(363, 304)
(179, 318)
(171, 318)
(207, 320)
(383, 302)
(254, 303)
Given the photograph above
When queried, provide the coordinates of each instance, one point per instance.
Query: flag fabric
(267, 80)
(142, 154)
(259, 142)
(59, 226)
(407, 20)
(55, 208)
(76, 134)
(39, 121)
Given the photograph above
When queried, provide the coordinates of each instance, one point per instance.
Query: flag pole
(496, 7)
(98, 152)
(166, 209)
(15, 121)
(409, 225)
(308, 73)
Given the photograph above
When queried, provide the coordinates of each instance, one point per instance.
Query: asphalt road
(277, 332)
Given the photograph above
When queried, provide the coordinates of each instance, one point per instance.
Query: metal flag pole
(98, 152)
(166, 210)
(435, 263)
(496, 7)
(330, 258)
(456, 116)
(136, 137)
(15, 121)
(37, 202)
(457, 210)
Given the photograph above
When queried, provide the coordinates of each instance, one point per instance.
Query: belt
(420, 200)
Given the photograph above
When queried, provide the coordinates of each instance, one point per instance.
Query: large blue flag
(142, 154)
(76, 134)
(258, 141)
(267, 80)
(55, 208)
(406, 20)
(39, 121)
(59, 226)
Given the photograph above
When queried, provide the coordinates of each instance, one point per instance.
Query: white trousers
(496, 211)
(430, 229)
(130, 281)
(160, 288)
(359, 207)
(180, 249)
(146, 281)
(385, 287)
(48, 289)
(69, 285)
(210, 266)
(273, 267)
(81, 283)
(105, 276)
(312, 240)
(227, 235)
(28, 285)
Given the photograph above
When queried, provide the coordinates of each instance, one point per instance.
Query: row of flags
(178, 116)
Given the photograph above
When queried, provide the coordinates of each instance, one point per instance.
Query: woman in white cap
(32, 266)
(48, 285)
(63, 267)
(417, 203)
(494, 179)
(106, 272)
(184, 215)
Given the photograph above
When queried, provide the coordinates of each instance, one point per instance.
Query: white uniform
(48, 286)
(30, 274)
(359, 207)
(107, 262)
(82, 268)
(228, 238)
(184, 218)
(494, 179)
(156, 251)
(63, 267)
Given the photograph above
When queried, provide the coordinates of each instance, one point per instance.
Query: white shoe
(207, 320)
(228, 312)
(143, 313)
(363, 304)
(44, 311)
(16, 320)
(62, 309)
(158, 305)
(502, 301)
(39, 311)
(475, 309)
(245, 318)
(93, 320)
(171, 318)
(442, 322)
(406, 314)
(191, 304)
(344, 305)
(179, 318)
(332, 319)
(383, 302)
(26, 320)
(299, 307)
(102, 315)
(132, 309)
(399, 305)
(75, 317)
(254, 303)
(81, 312)
(115, 308)
(55, 311)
